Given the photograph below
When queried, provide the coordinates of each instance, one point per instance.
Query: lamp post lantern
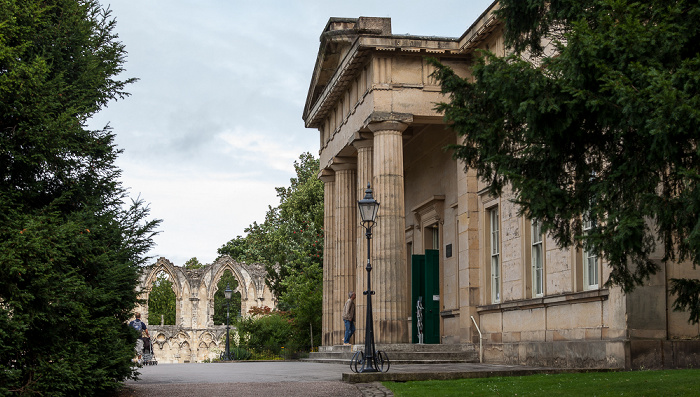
(227, 294)
(368, 207)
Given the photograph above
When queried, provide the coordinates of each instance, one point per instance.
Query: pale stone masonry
(372, 101)
(194, 337)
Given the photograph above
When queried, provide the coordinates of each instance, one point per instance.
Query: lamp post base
(361, 364)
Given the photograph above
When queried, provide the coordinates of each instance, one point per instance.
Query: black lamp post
(227, 294)
(368, 212)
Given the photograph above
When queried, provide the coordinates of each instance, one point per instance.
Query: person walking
(349, 317)
(142, 329)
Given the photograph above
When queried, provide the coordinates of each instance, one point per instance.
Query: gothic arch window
(220, 303)
(162, 301)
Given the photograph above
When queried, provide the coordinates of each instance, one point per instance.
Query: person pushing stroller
(144, 338)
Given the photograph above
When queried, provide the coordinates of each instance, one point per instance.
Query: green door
(432, 297)
(417, 270)
(425, 286)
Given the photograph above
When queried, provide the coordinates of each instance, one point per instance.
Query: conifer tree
(71, 241)
(594, 117)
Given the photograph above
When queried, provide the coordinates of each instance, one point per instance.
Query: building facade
(471, 260)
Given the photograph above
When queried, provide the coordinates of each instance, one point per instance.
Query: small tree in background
(161, 301)
(193, 263)
(290, 244)
(220, 299)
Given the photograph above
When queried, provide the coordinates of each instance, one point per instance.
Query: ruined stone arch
(256, 294)
(194, 307)
(219, 267)
(249, 276)
(164, 265)
(148, 277)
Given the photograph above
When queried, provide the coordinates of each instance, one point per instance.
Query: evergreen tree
(70, 248)
(601, 123)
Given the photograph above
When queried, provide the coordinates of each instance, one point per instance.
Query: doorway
(425, 297)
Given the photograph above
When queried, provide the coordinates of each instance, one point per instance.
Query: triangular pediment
(336, 41)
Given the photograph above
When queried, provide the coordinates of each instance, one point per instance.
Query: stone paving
(302, 379)
(269, 378)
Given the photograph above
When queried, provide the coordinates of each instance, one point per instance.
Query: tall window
(436, 237)
(537, 260)
(590, 261)
(495, 256)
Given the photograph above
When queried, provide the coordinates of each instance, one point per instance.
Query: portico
(371, 99)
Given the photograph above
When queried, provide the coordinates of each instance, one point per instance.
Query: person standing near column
(349, 317)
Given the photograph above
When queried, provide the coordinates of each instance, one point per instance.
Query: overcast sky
(214, 123)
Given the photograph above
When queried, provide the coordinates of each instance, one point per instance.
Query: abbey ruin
(194, 337)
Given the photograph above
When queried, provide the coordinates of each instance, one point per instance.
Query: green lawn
(685, 382)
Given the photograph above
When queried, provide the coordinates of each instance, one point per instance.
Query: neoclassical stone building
(440, 238)
(195, 337)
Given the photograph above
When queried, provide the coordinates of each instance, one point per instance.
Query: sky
(214, 123)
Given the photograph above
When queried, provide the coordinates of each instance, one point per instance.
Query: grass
(685, 382)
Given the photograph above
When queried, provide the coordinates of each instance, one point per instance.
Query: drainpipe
(481, 348)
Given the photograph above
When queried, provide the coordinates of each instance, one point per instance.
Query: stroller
(148, 357)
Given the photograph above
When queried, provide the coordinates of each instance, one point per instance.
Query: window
(537, 260)
(436, 237)
(590, 261)
(495, 256)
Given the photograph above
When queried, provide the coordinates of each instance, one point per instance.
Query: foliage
(161, 301)
(290, 244)
(677, 382)
(70, 245)
(220, 299)
(193, 263)
(601, 125)
(304, 297)
(266, 332)
(259, 311)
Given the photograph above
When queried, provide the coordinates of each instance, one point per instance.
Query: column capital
(363, 143)
(382, 121)
(343, 163)
(326, 175)
(343, 166)
(387, 126)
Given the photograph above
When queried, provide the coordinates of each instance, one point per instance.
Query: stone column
(390, 304)
(364, 176)
(328, 179)
(345, 237)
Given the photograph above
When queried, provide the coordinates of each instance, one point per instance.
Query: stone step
(346, 361)
(401, 353)
(405, 347)
(453, 356)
